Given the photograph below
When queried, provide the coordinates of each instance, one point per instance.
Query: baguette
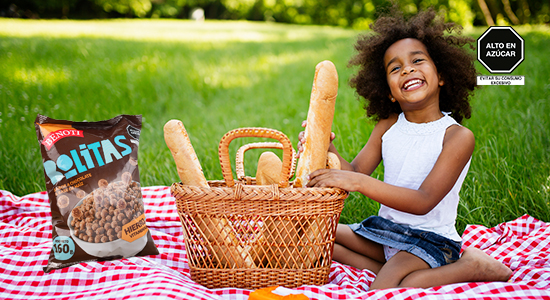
(319, 122)
(269, 169)
(314, 235)
(282, 234)
(332, 161)
(267, 173)
(224, 245)
(187, 162)
(222, 242)
(279, 233)
(314, 232)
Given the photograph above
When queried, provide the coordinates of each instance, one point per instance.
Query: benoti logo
(55, 132)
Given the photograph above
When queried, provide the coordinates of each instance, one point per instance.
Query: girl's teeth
(410, 85)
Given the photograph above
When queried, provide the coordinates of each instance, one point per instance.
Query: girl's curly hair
(454, 62)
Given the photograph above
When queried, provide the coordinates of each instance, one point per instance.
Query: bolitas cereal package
(92, 179)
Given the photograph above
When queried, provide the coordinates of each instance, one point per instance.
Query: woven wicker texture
(239, 159)
(243, 235)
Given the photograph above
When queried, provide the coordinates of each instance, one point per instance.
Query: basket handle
(239, 160)
(223, 151)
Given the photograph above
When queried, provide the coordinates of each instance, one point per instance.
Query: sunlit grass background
(218, 76)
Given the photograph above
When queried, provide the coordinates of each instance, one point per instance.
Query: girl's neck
(423, 116)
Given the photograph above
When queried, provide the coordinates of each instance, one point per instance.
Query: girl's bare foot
(483, 266)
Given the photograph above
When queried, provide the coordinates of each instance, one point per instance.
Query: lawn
(218, 76)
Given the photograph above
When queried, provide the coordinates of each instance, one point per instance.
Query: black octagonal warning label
(500, 49)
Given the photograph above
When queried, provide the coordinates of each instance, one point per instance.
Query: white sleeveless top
(409, 152)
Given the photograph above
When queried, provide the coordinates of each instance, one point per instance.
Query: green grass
(218, 76)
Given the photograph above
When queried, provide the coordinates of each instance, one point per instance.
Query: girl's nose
(408, 70)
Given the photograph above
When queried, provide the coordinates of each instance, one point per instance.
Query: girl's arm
(368, 159)
(458, 146)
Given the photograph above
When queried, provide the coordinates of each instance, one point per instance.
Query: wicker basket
(242, 235)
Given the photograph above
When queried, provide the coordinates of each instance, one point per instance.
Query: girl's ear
(392, 99)
(441, 80)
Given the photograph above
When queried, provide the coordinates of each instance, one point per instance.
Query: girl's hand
(346, 180)
(302, 139)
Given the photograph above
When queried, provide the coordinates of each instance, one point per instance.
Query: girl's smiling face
(411, 74)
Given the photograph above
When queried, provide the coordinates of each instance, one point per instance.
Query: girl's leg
(400, 266)
(354, 250)
(473, 265)
(407, 270)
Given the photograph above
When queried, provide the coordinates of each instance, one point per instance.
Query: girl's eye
(418, 60)
(393, 69)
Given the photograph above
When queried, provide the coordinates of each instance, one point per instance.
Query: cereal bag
(92, 180)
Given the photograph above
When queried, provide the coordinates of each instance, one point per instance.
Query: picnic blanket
(26, 240)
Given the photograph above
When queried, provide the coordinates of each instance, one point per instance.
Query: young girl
(417, 82)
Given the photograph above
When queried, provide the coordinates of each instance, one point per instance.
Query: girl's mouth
(412, 84)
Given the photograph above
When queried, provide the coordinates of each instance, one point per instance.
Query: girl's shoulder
(459, 136)
(381, 127)
(384, 124)
(459, 132)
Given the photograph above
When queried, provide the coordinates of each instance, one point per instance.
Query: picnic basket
(238, 234)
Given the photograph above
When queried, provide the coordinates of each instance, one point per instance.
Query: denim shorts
(433, 248)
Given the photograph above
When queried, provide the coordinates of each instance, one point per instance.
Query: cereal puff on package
(92, 180)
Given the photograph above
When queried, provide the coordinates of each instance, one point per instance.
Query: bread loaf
(280, 234)
(333, 162)
(187, 162)
(319, 122)
(269, 169)
(223, 244)
(313, 232)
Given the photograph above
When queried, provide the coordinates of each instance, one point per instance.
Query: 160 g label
(63, 247)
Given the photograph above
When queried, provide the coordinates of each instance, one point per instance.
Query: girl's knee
(398, 270)
(338, 252)
(415, 279)
(342, 231)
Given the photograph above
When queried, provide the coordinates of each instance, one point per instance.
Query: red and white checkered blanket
(26, 240)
